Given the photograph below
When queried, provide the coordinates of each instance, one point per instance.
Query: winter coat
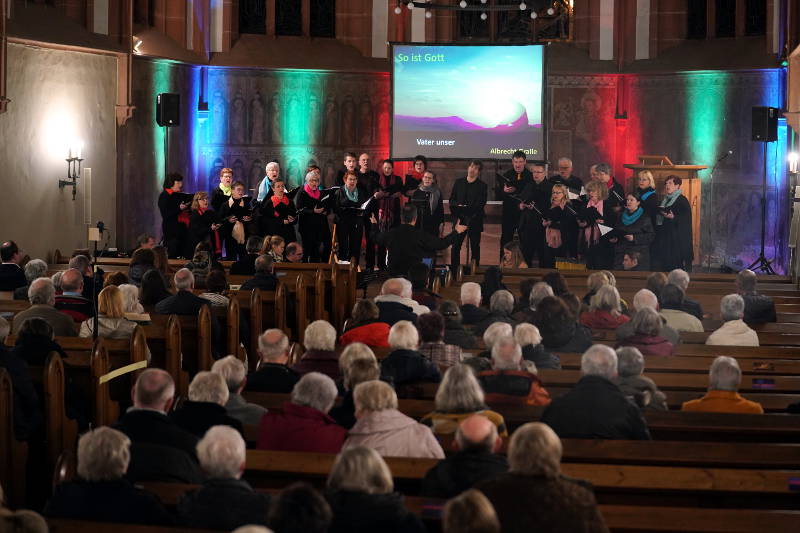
(300, 429)
(513, 386)
(602, 319)
(635, 387)
(758, 308)
(408, 366)
(721, 401)
(649, 344)
(461, 471)
(541, 357)
(568, 336)
(733, 333)
(359, 512)
(373, 334)
(322, 361)
(393, 434)
(223, 504)
(456, 334)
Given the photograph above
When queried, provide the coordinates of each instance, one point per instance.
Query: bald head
(72, 280)
(645, 298)
(477, 433)
(154, 389)
(392, 286)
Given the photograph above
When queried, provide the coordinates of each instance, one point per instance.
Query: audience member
(294, 253)
(647, 325)
(558, 282)
(357, 364)
(234, 373)
(146, 241)
(272, 374)
(645, 298)
(362, 497)
(431, 332)
(28, 415)
(758, 308)
(539, 292)
(631, 261)
(595, 408)
(634, 384)
(364, 326)
(208, 394)
(395, 302)
(71, 301)
(116, 279)
(185, 302)
(681, 279)
(454, 331)
(92, 281)
(470, 512)
(534, 456)
(458, 397)
(264, 278)
(507, 382)
(216, 287)
(530, 340)
(673, 312)
(525, 286)
(492, 282)
(734, 332)
(594, 281)
(154, 290)
(162, 262)
(320, 355)
(101, 493)
(655, 283)
(225, 501)
(11, 274)
(299, 508)
(35, 268)
(471, 312)
(558, 327)
(130, 299)
(56, 279)
(604, 310)
(419, 275)
(405, 364)
(20, 520)
(42, 296)
(385, 429)
(246, 264)
(303, 425)
(273, 246)
(142, 261)
(724, 378)
(111, 321)
(501, 307)
(476, 459)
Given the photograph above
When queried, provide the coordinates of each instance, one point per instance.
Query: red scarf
(610, 182)
(282, 200)
(169, 191)
(417, 175)
(183, 217)
(200, 211)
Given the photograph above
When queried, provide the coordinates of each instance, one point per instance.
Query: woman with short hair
(605, 311)
(312, 209)
(203, 225)
(647, 324)
(142, 261)
(362, 497)
(357, 364)
(458, 397)
(530, 340)
(278, 213)
(674, 228)
(634, 233)
(646, 191)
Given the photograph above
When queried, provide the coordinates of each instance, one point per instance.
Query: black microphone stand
(761, 262)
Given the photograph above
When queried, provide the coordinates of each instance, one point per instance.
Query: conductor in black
(509, 185)
(467, 202)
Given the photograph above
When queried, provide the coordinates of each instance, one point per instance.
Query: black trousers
(316, 245)
(510, 225)
(348, 234)
(474, 243)
(369, 256)
(534, 246)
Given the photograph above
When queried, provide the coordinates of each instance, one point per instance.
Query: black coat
(393, 312)
(27, 410)
(758, 308)
(674, 236)
(565, 336)
(11, 277)
(246, 266)
(185, 303)
(461, 471)
(223, 504)
(239, 209)
(107, 501)
(157, 462)
(573, 183)
(427, 218)
(650, 204)
(457, 335)
(275, 219)
(170, 207)
(472, 314)
(473, 197)
(200, 227)
(345, 412)
(643, 236)
(511, 210)
(539, 194)
(347, 211)
(265, 281)
(693, 308)
(408, 366)
(595, 408)
(199, 417)
(359, 512)
(311, 223)
(218, 199)
(479, 328)
(407, 245)
(541, 357)
(143, 425)
(272, 377)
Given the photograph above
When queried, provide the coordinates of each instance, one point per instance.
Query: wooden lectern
(661, 167)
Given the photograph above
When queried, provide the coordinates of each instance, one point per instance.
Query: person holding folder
(350, 203)
(236, 218)
(175, 214)
(508, 188)
(278, 213)
(467, 202)
(595, 222)
(533, 202)
(634, 233)
(312, 209)
(558, 223)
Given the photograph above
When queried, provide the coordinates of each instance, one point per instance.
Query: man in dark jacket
(680, 278)
(246, 266)
(475, 460)
(409, 244)
(27, 410)
(224, 501)
(395, 302)
(467, 202)
(405, 364)
(507, 186)
(272, 375)
(471, 312)
(71, 301)
(147, 422)
(501, 305)
(101, 493)
(758, 308)
(205, 408)
(264, 278)
(11, 274)
(595, 408)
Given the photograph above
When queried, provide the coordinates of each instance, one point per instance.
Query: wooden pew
(13, 453)
(251, 310)
(61, 433)
(196, 339)
(164, 340)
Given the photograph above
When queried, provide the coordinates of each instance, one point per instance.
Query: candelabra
(74, 160)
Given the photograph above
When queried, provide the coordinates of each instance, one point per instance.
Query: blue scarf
(667, 201)
(352, 197)
(646, 195)
(630, 218)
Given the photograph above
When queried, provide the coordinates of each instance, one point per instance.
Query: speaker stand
(166, 151)
(762, 263)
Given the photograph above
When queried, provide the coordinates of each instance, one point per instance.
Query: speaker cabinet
(168, 109)
(765, 124)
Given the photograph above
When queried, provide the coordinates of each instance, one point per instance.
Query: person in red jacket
(303, 425)
(365, 327)
(646, 336)
(507, 382)
(604, 310)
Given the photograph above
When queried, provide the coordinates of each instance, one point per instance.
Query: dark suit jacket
(758, 308)
(473, 196)
(245, 266)
(144, 425)
(27, 411)
(199, 417)
(11, 277)
(265, 281)
(157, 462)
(408, 244)
(223, 504)
(107, 501)
(186, 303)
(693, 308)
(393, 312)
(272, 377)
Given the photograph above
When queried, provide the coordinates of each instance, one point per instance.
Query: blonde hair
(269, 242)
(374, 396)
(595, 281)
(110, 302)
(535, 449)
(606, 299)
(226, 170)
(598, 186)
(196, 199)
(564, 190)
(649, 175)
(209, 387)
(360, 469)
(470, 512)
(103, 454)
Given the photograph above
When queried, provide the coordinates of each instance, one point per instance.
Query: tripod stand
(762, 263)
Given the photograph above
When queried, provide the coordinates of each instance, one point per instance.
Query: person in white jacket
(734, 332)
(380, 426)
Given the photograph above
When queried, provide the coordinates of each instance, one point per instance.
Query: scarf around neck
(649, 192)
(630, 218)
(597, 204)
(226, 189)
(668, 200)
(435, 194)
(313, 193)
(282, 200)
(352, 196)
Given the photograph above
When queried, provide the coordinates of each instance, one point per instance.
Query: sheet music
(573, 196)
(604, 229)
(365, 204)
